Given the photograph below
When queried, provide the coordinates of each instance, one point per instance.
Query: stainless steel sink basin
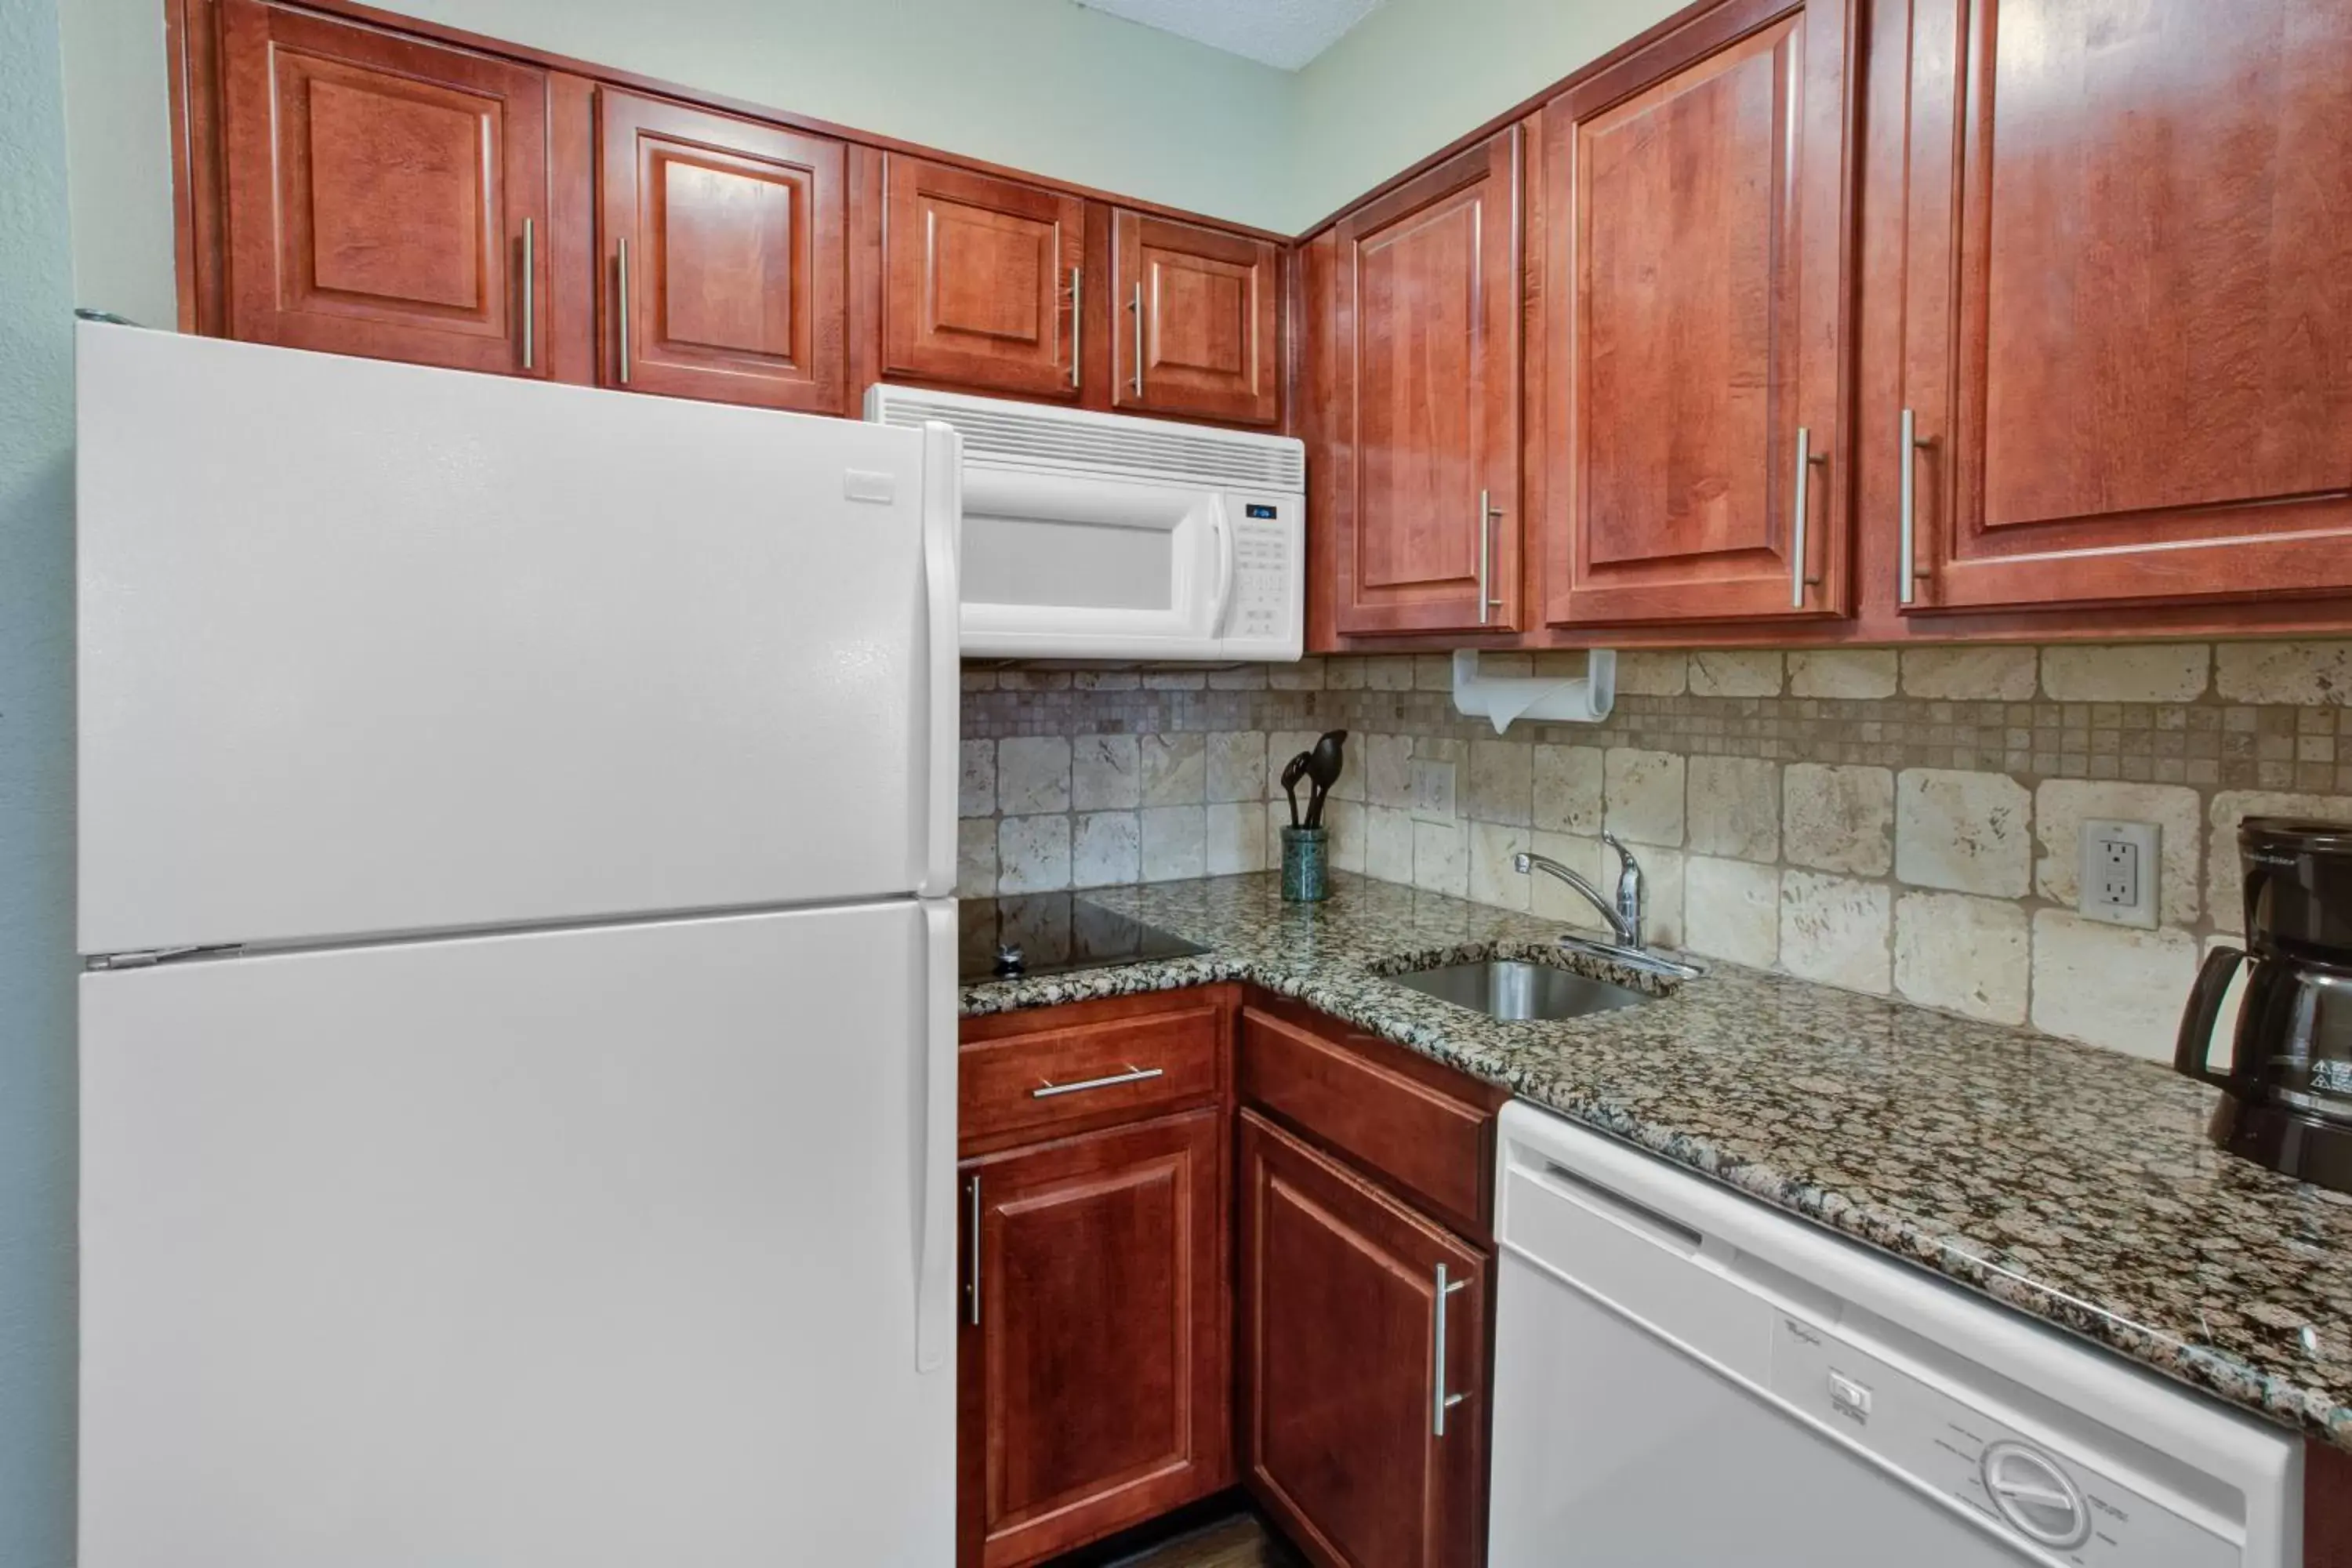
(1508, 988)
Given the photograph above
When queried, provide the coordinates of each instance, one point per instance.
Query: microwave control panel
(1267, 604)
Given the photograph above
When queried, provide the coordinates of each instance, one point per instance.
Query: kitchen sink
(1509, 988)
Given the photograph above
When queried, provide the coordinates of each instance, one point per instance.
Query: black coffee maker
(2287, 1098)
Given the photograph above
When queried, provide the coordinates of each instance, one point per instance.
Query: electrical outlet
(1433, 790)
(2119, 872)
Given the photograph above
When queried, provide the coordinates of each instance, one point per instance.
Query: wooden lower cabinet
(1094, 1381)
(1363, 1364)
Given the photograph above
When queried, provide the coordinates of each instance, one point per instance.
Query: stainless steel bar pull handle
(1442, 1401)
(1132, 1075)
(624, 313)
(1798, 575)
(1487, 514)
(1138, 309)
(972, 1245)
(1078, 318)
(530, 291)
(1906, 588)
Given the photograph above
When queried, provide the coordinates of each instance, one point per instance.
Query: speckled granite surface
(2071, 1182)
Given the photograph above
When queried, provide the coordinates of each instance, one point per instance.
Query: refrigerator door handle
(943, 515)
(935, 1286)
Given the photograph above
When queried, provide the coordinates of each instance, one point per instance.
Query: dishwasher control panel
(2061, 1506)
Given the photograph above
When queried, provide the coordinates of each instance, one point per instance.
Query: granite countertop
(2065, 1181)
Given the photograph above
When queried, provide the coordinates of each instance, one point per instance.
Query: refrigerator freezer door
(597, 1248)
(370, 648)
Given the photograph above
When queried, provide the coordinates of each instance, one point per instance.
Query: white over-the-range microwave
(1105, 536)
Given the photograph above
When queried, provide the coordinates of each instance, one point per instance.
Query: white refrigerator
(517, 841)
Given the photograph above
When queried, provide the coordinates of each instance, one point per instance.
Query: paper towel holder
(1584, 698)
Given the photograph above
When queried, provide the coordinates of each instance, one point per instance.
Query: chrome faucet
(1625, 915)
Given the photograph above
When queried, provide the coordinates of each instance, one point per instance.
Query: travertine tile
(1236, 838)
(1389, 672)
(2060, 806)
(1963, 954)
(1033, 854)
(976, 858)
(1174, 769)
(976, 779)
(1732, 911)
(2318, 674)
(1645, 673)
(1441, 858)
(1744, 672)
(1644, 792)
(1969, 674)
(1388, 844)
(1032, 774)
(1240, 678)
(2225, 880)
(1237, 765)
(1307, 675)
(1492, 879)
(1106, 774)
(1964, 831)
(1847, 674)
(1344, 672)
(1662, 892)
(2125, 672)
(1433, 672)
(1104, 681)
(1502, 775)
(1175, 680)
(1175, 842)
(1346, 821)
(1838, 818)
(1105, 849)
(1568, 789)
(1550, 899)
(2111, 985)
(1386, 761)
(1735, 808)
(1834, 931)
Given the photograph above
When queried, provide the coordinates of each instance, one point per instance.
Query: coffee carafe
(2287, 1097)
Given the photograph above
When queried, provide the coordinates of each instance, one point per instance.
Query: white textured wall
(1415, 74)
(37, 967)
(1042, 85)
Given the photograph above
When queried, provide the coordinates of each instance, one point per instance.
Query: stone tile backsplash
(1897, 822)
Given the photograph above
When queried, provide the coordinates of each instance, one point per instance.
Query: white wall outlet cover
(2119, 872)
(1433, 790)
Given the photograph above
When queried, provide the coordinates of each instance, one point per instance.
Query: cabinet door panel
(1340, 1312)
(1697, 198)
(1427, 321)
(738, 251)
(1209, 339)
(2129, 345)
(977, 279)
(377, 193)
(1097, 1376)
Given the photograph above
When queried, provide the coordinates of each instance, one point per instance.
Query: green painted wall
(36, 959)
(1042, 85)
(1415, 74)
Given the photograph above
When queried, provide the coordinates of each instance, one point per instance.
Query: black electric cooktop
(1052, 933)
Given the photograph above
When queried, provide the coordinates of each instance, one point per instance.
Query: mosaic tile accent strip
(2071, 1184)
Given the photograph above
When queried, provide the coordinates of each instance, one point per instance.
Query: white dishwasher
(1685, 1376)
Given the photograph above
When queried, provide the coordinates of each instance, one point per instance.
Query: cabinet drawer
(1090, 1066)
(1436, 1146)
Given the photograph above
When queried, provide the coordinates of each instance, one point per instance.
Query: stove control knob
(1010, 959)
(2037, 1497)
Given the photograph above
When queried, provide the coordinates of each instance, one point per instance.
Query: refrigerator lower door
(607, 1246)
(371, 648)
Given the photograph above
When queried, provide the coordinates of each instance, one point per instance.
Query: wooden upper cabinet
(1696, 202)
(735, 283)
(1425, 320)
(978, 274)
(385, 197)
(1198, 321)
(2128, 316)
(1093, 1363)
(1340, 1352)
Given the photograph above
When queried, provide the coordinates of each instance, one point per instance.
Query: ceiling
(1282, 33)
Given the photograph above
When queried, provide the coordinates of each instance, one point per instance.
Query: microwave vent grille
(1100, 443)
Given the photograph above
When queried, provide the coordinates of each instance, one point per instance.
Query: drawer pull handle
(1132, 1075)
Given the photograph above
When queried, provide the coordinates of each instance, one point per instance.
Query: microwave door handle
(1225, 586)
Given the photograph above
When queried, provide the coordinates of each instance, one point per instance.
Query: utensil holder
(1306, 861)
